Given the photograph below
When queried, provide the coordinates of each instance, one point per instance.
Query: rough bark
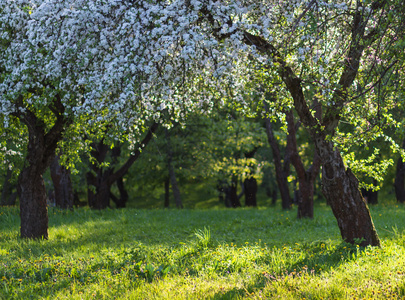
(62, 185)
(341, 188)
(399, 183)
(33, 205)
(281, 171)
(31, 188)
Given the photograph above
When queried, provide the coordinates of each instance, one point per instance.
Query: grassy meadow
(262, 253)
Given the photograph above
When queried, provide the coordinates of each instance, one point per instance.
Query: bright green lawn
(195, 254)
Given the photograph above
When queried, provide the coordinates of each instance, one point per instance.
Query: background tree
(288, 34)
(63, 189)
(100, 178)
(399, 183)
(60, 64)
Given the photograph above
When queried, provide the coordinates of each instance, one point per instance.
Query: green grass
(200, 254)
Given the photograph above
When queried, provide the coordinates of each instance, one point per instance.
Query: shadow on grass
(320, 257)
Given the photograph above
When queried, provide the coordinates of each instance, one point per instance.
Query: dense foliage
(80, 73)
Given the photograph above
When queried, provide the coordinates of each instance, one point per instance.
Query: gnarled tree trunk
(100, 198)
(31, 188)
(341, 188)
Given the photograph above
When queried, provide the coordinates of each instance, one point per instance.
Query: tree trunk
(167, 193)
(33, 205)
(98, 189)
(306, 178)
(122, 201)
(281, 174)
(100, 197)
(370, 196)
(62, 185)
(250, 185)
(233, 193)
(341, 188)
(172, 174)
(175, 187)
(31, 188)
(99, 181)
(399, 183)
(306, 197)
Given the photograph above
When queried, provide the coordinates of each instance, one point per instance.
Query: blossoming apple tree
(125, 62)
(82, 64)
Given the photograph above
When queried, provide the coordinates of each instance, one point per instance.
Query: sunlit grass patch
(195, 254)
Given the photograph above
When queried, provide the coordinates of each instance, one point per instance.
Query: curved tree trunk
(341, 188)
(306, 178)
(40, 151)
(121, 201)
(281, 171)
